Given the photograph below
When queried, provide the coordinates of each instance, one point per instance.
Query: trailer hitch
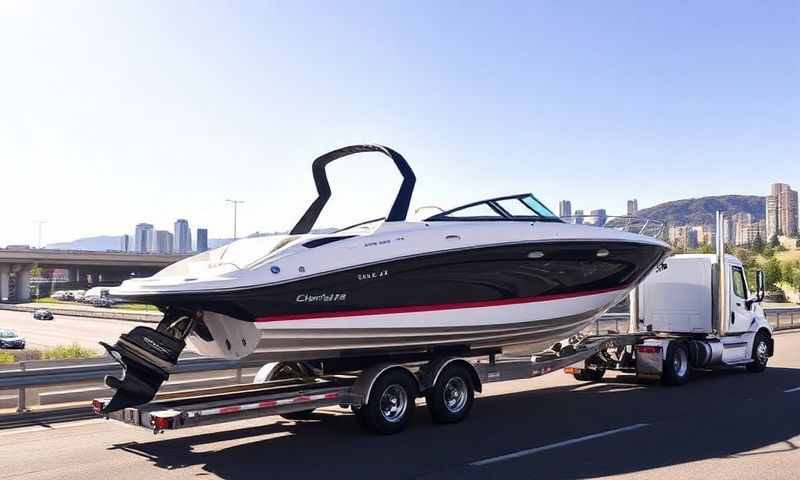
(146, 355)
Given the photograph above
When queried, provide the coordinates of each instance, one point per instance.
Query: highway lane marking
(530, 451)
(795, 389)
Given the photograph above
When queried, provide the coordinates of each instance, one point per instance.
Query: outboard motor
(146, 355)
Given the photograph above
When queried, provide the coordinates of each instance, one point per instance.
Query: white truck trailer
(694, 311)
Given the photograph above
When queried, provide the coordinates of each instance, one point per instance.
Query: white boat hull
(525, 326)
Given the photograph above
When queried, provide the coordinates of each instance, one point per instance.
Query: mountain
(113, 242)
(97, 244)
(702, 211)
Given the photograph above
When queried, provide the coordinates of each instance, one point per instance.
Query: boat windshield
(523, 207)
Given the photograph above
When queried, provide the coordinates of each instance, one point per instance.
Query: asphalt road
(721, 425)
(64, 329)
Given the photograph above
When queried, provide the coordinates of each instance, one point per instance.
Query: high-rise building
(781, 211)
(578, 217)
(202, 240)
(564, 208)
(633, 207)
(164, 243)
(599, 216)
(144, 238)
(125, 243)
(691, 238)
(746, 233)
(183, 236)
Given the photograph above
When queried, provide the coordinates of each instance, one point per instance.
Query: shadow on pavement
(711, 417)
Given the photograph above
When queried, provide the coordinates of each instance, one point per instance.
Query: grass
(66, 352)
(788, 256)
(49, 300)
(59, 352)
(139, 307)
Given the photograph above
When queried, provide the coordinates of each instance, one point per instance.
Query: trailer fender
(363, 385)
(269, 371)
(429, 374)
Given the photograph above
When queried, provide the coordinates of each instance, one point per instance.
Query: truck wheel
(391, 403)
(451, 399)
(301, 415)
(592, 370)
(760, 354)
(590, 374)
(676, 365)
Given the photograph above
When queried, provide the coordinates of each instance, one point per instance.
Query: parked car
(42, 314)
(10, 339)
(101, 302)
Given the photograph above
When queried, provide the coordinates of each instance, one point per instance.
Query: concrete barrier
(108, 313)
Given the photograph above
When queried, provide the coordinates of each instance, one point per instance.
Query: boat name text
(321, 297)
(371, 275)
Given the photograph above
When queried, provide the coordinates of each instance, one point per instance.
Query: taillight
(162, 423)
(648, 349)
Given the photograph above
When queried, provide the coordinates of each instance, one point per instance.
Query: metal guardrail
(36, 374)
(783, 318)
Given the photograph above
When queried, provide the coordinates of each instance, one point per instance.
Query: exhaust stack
(723, 297)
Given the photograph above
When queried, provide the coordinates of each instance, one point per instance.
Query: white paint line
(795, 389)
(530, 451)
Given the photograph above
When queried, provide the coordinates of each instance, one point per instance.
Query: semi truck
(693, 312)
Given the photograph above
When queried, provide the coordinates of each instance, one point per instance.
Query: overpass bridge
(85, 268)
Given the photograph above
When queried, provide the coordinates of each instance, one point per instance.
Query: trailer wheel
(301, 415)
(451, 399)
(391, 403)
(760, 353)
(676, 365)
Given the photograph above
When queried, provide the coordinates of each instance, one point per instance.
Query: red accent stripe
(432, 308)
(267, 404)
(224, 410)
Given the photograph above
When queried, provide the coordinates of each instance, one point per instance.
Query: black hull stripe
(437, 307)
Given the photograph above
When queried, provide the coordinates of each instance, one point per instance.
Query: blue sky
(114, 113)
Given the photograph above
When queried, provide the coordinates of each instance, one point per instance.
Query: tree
(758, 244)
(788, 271)
(772, 273)
(774, 242)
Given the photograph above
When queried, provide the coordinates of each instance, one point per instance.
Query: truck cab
(707, 306)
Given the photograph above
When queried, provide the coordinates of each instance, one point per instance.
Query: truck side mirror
(760, 287)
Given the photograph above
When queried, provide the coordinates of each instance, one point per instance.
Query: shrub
(66, 352)
(7, 358)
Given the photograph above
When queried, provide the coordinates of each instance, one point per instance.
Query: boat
(497, 275)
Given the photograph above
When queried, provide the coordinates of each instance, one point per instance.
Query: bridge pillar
(24, 284)
(5, 274)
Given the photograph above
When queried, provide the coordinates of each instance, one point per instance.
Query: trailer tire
(676, 365)
(301, 415)
(390, 406)
(760, 353)
(451, 399)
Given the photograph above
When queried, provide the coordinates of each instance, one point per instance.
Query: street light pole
(235, 207)
(40, 222)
